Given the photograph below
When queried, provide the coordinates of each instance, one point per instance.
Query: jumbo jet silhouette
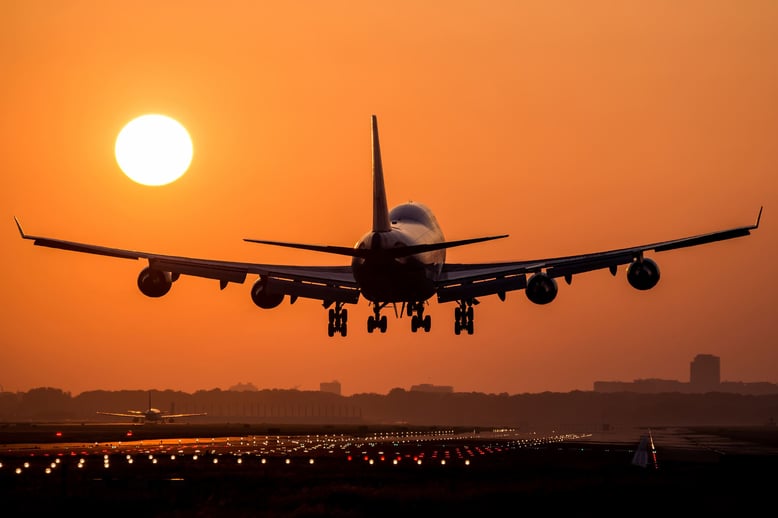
(401, 260)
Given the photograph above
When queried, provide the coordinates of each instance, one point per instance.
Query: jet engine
(541, 289)
(155, 283)
(262, 297)
(643, 274)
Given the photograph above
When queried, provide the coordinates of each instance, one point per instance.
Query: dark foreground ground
(229, 471)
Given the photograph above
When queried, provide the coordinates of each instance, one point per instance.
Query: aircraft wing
(174, 416)
(327, 283)
(118, 414)
(464, 281)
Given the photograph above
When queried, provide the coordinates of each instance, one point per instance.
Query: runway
(181, 470)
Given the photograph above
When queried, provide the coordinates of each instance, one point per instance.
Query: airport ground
(267, 471)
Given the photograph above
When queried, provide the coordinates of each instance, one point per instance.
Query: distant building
(705, 373)
(330, 386)
(426, 387)
(704, 376)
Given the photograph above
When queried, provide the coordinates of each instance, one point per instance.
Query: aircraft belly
(395, 282)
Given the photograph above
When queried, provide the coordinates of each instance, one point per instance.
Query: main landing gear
(463, 316)
(418, 320)
(337, 320)
(376, 321)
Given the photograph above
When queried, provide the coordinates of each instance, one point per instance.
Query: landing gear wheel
(463, 317)
(376, 321)
(419, 320)
(337, 320)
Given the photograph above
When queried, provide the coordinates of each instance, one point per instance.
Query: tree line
(577, 408)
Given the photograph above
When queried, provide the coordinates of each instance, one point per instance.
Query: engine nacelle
(643, 274)
(262, 297)
(154, 283)
(541, 289)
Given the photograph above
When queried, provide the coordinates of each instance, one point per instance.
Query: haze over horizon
(572, 127)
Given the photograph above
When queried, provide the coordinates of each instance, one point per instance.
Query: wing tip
(19, 226)
(758, 217)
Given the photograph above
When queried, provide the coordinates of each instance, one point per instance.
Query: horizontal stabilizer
(392, 253)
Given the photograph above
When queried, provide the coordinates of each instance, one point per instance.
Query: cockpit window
(411, 211)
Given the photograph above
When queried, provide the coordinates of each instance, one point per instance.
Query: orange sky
(572, 126)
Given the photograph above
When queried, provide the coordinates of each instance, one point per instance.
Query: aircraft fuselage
(402, 279)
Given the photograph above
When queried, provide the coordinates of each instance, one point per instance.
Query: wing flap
(299, 288)
(456, 273)
(588, 264)
(481, 288)
(207, 269)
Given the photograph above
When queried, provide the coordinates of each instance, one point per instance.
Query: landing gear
(376, 321)
(463, 317)
(419, 320)
(338, 316)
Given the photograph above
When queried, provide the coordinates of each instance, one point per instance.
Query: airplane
(645, 454)
(400, 260)
(150, 415)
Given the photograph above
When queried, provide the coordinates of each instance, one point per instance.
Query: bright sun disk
(153, 149)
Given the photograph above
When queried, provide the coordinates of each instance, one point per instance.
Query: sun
(153, 149)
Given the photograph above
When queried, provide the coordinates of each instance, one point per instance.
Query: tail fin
(380, 208)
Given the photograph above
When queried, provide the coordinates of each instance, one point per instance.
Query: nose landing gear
(419, 320)
(376, 321)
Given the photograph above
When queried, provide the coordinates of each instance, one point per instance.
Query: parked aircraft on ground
(401, 260)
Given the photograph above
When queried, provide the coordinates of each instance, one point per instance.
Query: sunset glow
(572, 127)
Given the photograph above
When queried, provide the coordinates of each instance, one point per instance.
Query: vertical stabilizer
(380, 208)
(645, 455)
